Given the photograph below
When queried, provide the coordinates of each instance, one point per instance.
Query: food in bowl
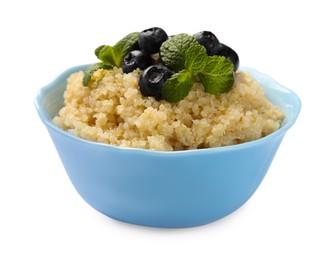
(105, 104)
(178, 189)
(113, 111)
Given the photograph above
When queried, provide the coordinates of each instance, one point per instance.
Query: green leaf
(106, 54)
(98, 50)
(178, 86)
(173, 50)
(195, 58)
(113, 56)
(124, 46)
(90, 71)
(217, 76)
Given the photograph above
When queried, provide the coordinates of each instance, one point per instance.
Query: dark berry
(152, 79)
(209, 41)
(229, 53)
(150, 40)
(135, 59)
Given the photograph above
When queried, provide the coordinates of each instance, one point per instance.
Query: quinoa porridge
(112, 110)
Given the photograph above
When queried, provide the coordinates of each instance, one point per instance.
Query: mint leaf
(183, 53)
(178, 86)
(98, 50)
(113, 56)
(124, 46)
(90, 71)
(107, 55)
(173, 50)
(217, 76)
(195, 58)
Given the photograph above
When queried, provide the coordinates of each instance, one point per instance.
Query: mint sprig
(195, 58)
(178, 86)
(173, 50)
(217, 75)
(184, 54)
(112, 55)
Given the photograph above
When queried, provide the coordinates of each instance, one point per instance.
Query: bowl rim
(281, 131)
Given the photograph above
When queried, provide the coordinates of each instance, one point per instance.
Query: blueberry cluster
(214, 47)
(154, 72)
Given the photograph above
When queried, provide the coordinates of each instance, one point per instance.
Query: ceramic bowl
(165, 189)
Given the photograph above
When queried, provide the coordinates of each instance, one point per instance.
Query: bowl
(165, 189)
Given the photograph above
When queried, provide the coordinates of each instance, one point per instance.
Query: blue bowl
(165, 189)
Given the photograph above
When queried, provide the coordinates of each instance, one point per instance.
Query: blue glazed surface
(165, 189)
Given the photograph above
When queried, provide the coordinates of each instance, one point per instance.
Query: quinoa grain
(112, 110)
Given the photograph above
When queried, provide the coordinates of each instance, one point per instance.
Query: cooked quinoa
(112, 110)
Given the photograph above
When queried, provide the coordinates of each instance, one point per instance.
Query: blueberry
(151, 39)
(135, 59)
(209, 41)
(152, 79)
(229, 53)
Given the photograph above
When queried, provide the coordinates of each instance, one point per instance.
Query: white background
(41, 215)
